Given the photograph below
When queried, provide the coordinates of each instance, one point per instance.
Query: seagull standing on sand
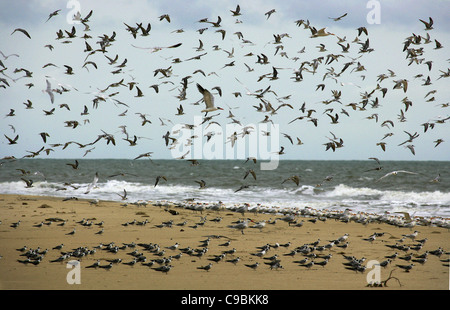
(240, 226)
(412, 236)
(207, 267)
(253, 266)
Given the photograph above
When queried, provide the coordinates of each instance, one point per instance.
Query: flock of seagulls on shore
(408, 251)
(341, 60)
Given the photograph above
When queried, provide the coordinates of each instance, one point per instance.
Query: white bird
(259, 225)
(412, 236)
(395, 173)
(172, 247)
(260, 253)
(240, 226)
(209, 100)
(49, 91)
(93, 184)
(343, 238)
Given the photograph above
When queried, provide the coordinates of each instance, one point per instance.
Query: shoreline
(204, 225)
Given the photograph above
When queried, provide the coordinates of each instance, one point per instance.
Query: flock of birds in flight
(414, 48)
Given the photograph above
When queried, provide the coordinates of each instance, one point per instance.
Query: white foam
(365, 199)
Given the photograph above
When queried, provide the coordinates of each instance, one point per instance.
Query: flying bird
(209, 100)
(23, 31)
(429, 24)
(201, 183)
(93, 184)
(52, 14)
(159, 177)
(269, 13)
(12, 140)
(338, 18)
(394, 173)
(237, 11)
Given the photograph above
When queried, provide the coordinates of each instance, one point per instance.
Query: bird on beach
(206, 267)
(164, 268)
(412, 235)
(290, 218)
(252, 266)
(106, 267)
(241, 225)
(72, 232)
(406, 268)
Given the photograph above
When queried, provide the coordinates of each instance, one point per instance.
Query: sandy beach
(86, 218)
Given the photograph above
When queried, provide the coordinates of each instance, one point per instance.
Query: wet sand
(184, 275)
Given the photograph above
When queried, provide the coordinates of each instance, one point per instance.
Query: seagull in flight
(395, 173)
(93, 184)
(209, 100)
(49, 91)
(338, 18)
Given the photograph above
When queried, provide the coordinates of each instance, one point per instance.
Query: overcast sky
(360, 131)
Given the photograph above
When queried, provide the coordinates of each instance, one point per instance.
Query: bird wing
(94, 183)
(386, 175)
(207, 96)
(404, 171)
(50, 92)
(406, 214)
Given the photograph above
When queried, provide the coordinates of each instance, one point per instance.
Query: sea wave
(426, 203)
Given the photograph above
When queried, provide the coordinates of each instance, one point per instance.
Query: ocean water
(332, 185)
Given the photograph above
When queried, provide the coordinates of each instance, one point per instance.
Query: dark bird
(52, 14)
(429, 24)
(69, 70)
(74, 166)
(269, 13)
(159, 177)
(139, 93)
(250, 171)
(207, 267)
(407, 268)
(29, 183)
(237, 11)
(294, 178)
(12, 141)
(23, 31)
(241, 188)
(338, 18)
(201, 183)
